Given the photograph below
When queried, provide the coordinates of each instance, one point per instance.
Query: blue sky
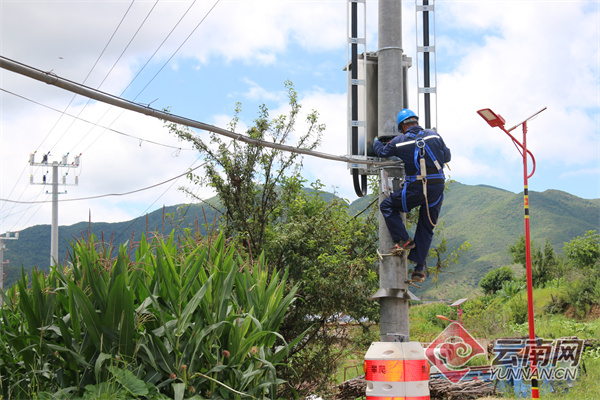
(515, 57)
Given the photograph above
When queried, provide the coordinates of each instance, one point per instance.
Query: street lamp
(495, 120)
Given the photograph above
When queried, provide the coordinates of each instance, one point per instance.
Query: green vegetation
(189, 319)
(195, 315)
(329, 254)
(496, 279)
(479, 215)
(564, 306)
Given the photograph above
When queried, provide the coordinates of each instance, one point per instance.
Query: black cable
(360, 184)
(87, 77)
(158, 48)
(108, 194)
(92, 123)
(180, 46)
(72, 99)
(144, 66)
(106, 77)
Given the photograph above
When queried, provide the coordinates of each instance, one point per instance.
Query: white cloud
(530, 59)
(514, 57)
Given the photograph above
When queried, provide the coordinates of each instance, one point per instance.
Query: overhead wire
(144, 66)
(105, 78)
(109, 194)
(110, 99)
(179, 48)
(163, 66)
(70, 102)
(93, 123)
(190, 169)
(111, 68)
(63, 83)
(93, 67)
(122, 103)
(167, 61)
(158, 48)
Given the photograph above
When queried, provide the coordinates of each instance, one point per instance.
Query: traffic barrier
(396, 371)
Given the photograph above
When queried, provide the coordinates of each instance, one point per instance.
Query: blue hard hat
(405, 114)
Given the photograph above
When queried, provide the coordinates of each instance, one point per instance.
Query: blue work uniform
(415, 143)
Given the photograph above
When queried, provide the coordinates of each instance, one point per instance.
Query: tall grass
(185, 318)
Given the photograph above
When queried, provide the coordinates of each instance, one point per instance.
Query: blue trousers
(404, 200)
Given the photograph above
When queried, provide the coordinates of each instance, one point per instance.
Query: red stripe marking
(396, 370)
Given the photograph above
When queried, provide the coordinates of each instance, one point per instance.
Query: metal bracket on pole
(397, 337)
(398, 293)
(392, 178)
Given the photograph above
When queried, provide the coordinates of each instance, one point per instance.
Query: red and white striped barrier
(396, 371)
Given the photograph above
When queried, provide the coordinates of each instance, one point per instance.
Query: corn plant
(186, 317)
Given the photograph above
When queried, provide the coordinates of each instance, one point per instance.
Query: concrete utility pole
(392, 270)
(55, 165)
(4, 264)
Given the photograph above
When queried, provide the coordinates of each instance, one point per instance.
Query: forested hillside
(490, 219)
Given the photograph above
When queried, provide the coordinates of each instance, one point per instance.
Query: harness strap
(409, 142)
(421, 147)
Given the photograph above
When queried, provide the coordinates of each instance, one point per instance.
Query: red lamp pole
(535, 392)
(496, 120)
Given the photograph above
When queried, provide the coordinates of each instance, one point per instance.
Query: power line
(83, 90)
(131, 40)
(123, 231)
(109, 194)
(73, 98)
(113, 66)
(89, 73)
(92, 123)
(177, 50)
(158, 48)
(148, 61)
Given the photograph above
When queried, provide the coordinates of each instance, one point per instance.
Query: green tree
(584, 251)
(252, 180)
(330, 255)
(543, 263)
(493, 280)
(510, 288)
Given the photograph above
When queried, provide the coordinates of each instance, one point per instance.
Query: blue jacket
(404, 147)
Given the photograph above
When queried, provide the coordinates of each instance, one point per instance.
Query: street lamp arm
(522, 148)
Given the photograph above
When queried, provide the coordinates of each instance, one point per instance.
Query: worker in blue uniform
(424, 154)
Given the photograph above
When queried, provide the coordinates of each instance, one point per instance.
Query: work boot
(402, 246)
(418, 274)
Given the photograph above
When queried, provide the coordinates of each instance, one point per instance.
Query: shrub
(493, 280)
(517, 307)
(584, 251)
(581, 292)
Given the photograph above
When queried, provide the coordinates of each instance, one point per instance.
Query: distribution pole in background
(4, 264)
(392, 270)
(55, 165)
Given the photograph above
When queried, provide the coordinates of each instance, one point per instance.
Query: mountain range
(488, 218)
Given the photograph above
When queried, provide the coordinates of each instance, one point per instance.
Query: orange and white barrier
(396, 371)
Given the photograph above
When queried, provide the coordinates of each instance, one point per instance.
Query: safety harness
(421, 147)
